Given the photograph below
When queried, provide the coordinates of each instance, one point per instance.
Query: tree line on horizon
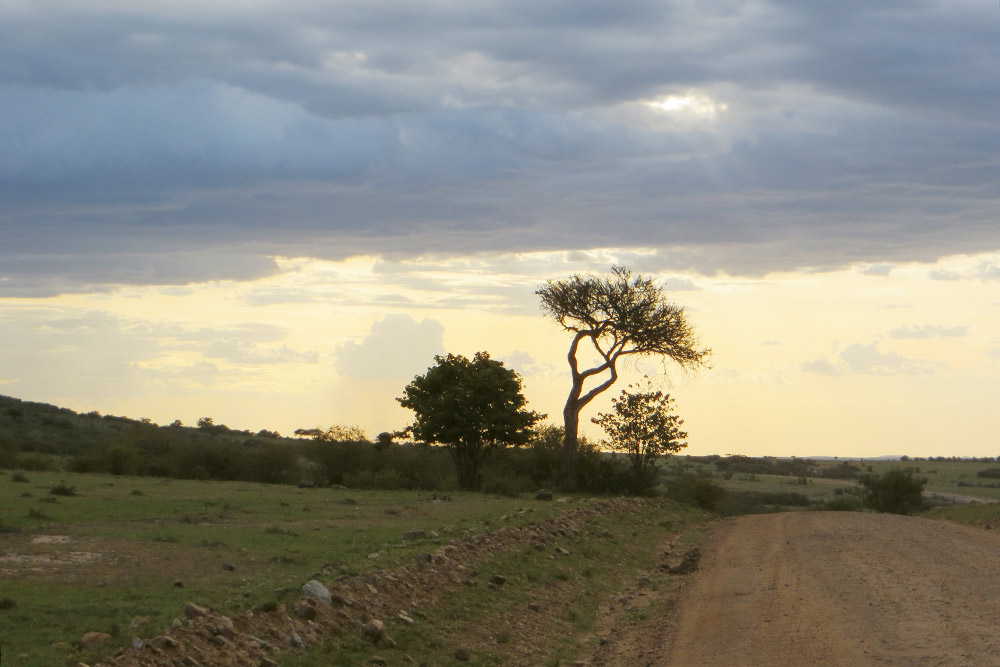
(474, 409)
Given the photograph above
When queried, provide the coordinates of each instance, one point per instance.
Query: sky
(276, 213)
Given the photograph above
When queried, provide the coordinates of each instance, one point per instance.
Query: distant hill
(29, 428)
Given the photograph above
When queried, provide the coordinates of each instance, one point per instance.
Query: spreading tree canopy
(617, 315)
(473, 407)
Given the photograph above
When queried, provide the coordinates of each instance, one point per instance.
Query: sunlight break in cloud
(689, 105)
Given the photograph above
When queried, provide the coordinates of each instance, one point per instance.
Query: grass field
(96, 560)
(943, 477)
(120, 549)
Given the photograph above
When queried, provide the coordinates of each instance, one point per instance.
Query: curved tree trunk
(571, 443)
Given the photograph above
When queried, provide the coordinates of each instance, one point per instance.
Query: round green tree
(471, 406)
(642, 426)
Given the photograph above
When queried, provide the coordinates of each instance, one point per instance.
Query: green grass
(277, 537)
(944, 477)
(499, 626)
(987, 515)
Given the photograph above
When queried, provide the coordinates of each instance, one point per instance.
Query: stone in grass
(192, 610)
(375, 632)
(377, 660)
(424, 557)
(305, 611)
(414, 534)
(317, 590)
(498, 580)
(164, 642)
(463, 654)
(543, 494)
(228, 567)
(93, 640)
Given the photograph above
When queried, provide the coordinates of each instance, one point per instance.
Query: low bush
(696, 491)
(991, 473)
(62, 489)
(896, 492)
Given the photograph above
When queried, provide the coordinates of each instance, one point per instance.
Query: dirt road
(825, 588)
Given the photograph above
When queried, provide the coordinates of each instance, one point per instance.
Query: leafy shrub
(62, 489)
(735, 503)
(843, 470)
(696, 491)
(506, 485)
(896, 492)
(992, 473)
(842, 503)
(35, 462)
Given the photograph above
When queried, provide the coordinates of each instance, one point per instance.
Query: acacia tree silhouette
(618, 315)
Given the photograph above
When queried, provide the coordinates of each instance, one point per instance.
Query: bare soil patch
(825, 588)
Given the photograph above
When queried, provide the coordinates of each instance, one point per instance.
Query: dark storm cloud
(171, 143)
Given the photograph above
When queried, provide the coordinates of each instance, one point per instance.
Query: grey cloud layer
(852, 132)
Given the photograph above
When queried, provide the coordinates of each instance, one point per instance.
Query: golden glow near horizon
(863, 361)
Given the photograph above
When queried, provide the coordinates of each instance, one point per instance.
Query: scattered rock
(317, 590)
(543, 494)
(374, 555)
(407, 658)
(498, 580)
(178, 584)
(138, 622)
(296, 641)
(177, 623)
(305, 611)
(414, 534)
(267, 662)
(560, 550)
(137, 643)
(192, 610)
(164, 641)
(375, 632)
(463, 654)
(377, 660)
(424, 557)
(93, 640)
(405, 619)
(688, 564)
(307, 485)
(341, 600)
(228, 567)
(534, 606)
